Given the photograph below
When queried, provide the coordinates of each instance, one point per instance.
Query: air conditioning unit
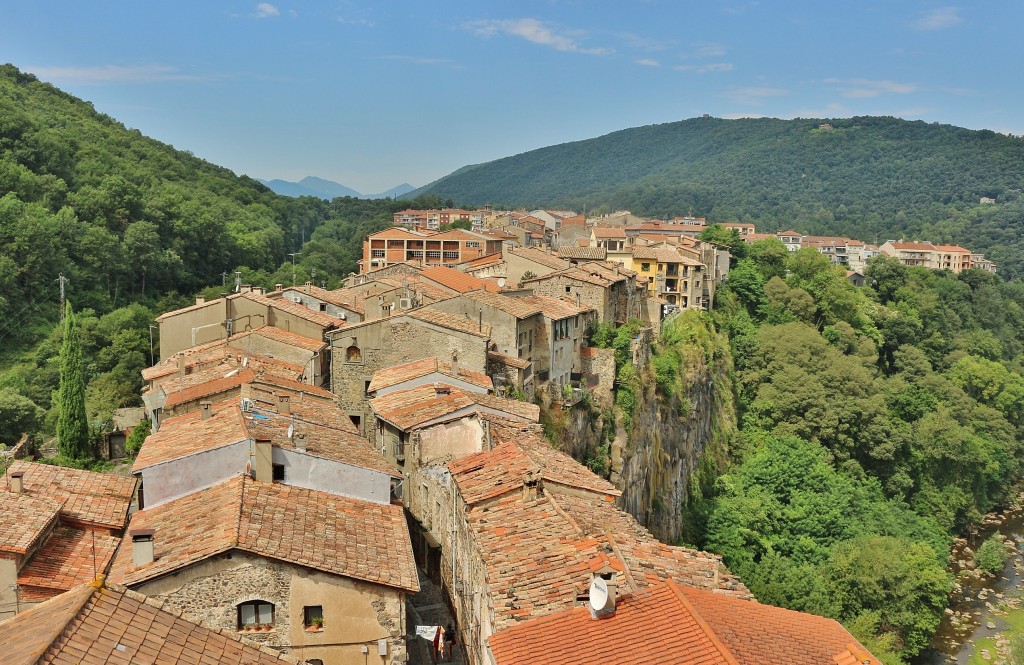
(296, 299)
(248, 406)
(229, 326)
(404, 303)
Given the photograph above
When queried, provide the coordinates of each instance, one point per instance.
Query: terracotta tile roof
(458, 280)
(539, 552)
(914, 246)
(99, 624)
(430, 289)
(553, 308)
(409, 409)
(295, 309)
(511, 361)
(197, 356)
(578, 252)
(664, 255)
(204, 384)
(513, 306)
(952, 248)
(188, 434)
(393, 376)
(237, 341)
(65, 561)
(659, 623)
(330, 533)
(451, 321)
(487, 260)
(195, 308)
(24, 520)
(756, 633)
(399, 233)
(89, 497)
(540, 257)
(609, 232)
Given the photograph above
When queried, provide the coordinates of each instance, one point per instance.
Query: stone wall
(598, 368)
(356, 614)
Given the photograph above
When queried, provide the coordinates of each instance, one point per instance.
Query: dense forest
(870, 178)
(136, 228)
(876, 424)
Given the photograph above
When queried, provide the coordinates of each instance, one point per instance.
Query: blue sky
(372, 94)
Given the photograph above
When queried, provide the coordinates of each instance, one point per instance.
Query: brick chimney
(142, 547)
(264, 463)
(17, 482)
(206, 409)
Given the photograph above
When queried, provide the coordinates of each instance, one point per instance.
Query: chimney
(206, 409)
(531, 488)
(284, 405)
(181, 366)
(300, 442)
(309, 286)
(142, 547)
(200, 300)
(455, 364)
(17, 483)
(279, 287)
(264, 461)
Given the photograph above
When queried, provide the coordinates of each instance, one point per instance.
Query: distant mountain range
(328, 189)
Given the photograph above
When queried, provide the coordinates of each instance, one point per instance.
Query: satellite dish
(291, 431)
(598, 594)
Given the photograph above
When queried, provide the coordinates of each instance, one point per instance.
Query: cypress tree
(72, 422)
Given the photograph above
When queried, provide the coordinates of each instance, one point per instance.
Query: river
(979, 602)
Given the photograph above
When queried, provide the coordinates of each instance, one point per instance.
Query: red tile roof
(609, 232)
(459, 281)
(278, 335)
(658, 623)
(582, 252)
(416, 407)
(88, 497)
(540, 257)
(678, 624)
(188, 434)
(330, 533)
(516, 307)
(553, 308)
(295, 309)
(393, 376)
(68, 558)
(99, 624)
(451, 321)
(914, 246)
(206, 384)
(24, 520)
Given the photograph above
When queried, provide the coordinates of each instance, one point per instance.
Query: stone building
(316, 575)
(359, 351)
(607, 288)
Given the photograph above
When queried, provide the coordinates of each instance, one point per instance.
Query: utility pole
(61, 278)
(238, 281)
(224, 278)
(151, 361)
(293, 254)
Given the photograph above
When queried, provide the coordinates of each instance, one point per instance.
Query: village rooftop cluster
(315, 452)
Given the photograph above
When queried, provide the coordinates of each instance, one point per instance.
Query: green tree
(991, 556)
(18, 415)
(72, 422)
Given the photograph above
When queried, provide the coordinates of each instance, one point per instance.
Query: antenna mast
(61, 278)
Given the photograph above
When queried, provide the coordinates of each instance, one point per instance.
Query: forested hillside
(137, 228)
(870, 178)
(875, 425)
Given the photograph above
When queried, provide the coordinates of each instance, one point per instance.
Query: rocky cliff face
(671, 434)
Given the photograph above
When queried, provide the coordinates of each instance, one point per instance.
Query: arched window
(353, 354)
(255, 613)
(314, 661)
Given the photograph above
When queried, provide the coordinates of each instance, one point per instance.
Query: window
(357, 421)
(645, 267)
(313, 617)
(323, 307)
(377, 253)
(433, 254)
(314, 661)
(255, 613)
(473, 243)
(451, 255)
(353, 354)
(277, 471)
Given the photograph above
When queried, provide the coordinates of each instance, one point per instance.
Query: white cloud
(861, 88)
(711, 50)
(113, 74)
(356, 21)
(705, 68)
(266, 10)
(939, 19)
(754, 94)
(535, 32)
(648, 62)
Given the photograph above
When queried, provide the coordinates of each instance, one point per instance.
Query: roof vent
(17, 482)
(143, 547)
